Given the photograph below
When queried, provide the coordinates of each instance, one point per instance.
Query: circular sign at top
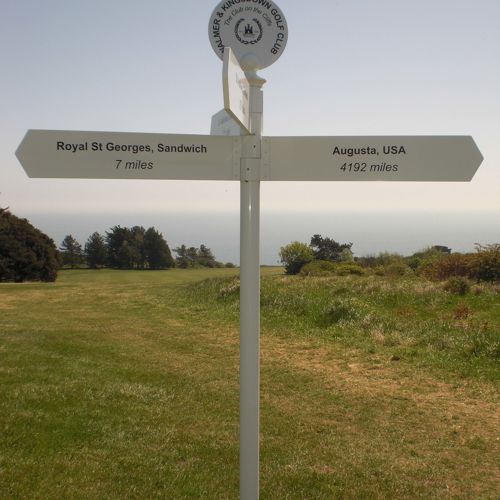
(256, 31)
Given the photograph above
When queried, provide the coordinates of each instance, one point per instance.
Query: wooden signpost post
(247, 38)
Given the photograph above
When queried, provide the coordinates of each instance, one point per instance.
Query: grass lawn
(125, 385)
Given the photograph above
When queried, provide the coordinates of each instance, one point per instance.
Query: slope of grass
(125, 385)
(408, 319)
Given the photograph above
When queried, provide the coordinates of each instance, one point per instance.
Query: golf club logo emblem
(248, 32)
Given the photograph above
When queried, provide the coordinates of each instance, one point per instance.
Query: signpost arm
(250, 299)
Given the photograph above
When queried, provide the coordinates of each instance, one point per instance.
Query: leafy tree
(71, 252)
(328, 249)
(295, 255)
(95, 251)
(25, 252)
(157, 252)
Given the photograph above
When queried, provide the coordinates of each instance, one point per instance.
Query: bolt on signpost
(247, 38)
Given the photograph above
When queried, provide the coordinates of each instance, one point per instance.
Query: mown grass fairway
(125, 385)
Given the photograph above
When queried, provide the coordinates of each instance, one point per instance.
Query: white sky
(356, 67)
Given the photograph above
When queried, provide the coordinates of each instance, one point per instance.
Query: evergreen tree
(195, 257)
(71, 251)
(206, 257)
(157, 251)
(328, 249)
(192, 255)
(95, 251)
(137, 234)
(25, 252)
(182, 259)
(115, 239)
(128, 256)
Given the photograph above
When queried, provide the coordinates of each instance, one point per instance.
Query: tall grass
(407, 318)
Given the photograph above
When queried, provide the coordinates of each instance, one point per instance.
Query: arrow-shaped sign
(117, 155)
(378, 158)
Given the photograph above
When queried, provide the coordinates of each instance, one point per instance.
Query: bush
(328, 268)
(457, 285)
(485, 264)
(25, 252)
(426, 256)
(397, 269)
(344, 269)
(318, 268)
(481, 266)
(446, 266)
(295, 255)
(383, 259)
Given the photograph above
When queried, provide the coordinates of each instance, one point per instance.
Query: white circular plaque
(256, 30)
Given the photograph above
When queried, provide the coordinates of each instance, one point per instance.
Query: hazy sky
(356, 67)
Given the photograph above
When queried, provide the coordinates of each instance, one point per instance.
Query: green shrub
(397, 269)
(457, 285)
(414, 262)
(328, 268)
(446, 266)
(344, 269)
(295, 255)
(424, 258)
(394, 270)
(383, 259)
(318, 268)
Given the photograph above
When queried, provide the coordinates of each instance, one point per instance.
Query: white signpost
(257, 34)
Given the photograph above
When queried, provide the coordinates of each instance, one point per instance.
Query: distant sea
(370, 232)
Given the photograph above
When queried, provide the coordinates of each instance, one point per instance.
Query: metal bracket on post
(250, 169)
(250, 146)
(250, 158)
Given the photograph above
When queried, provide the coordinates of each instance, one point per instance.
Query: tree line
(27, 254)
(326, 257)
(133, 248)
